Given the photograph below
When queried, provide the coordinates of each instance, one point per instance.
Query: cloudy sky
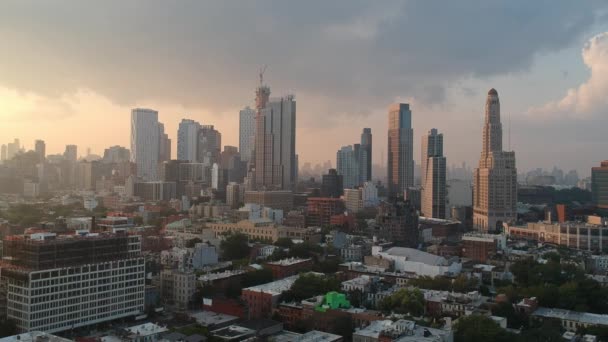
(70, 71)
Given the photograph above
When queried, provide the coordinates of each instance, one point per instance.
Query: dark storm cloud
(359, 55)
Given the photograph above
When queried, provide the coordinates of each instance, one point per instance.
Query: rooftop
(220, 275)
(415, 255)
(233, 332)
(209, 318)
(567, 315)
(146, 329)
(288, 261)
(311, 336)
(275, 287)
(34, 336)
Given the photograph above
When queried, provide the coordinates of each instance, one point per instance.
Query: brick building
(289, 267)
(261, 300)
(319, 210)
(479, 247)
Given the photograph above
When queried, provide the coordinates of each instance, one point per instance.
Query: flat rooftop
(288, 261)
(146, 329)
(34, 336)
(209, 318)
(275, 287)
(311, 336)
(567, 315)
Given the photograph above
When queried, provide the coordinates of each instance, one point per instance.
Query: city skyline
(546, 77)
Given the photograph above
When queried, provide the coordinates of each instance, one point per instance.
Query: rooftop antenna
(262, 71)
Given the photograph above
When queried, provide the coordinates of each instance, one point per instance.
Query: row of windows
(86, 269)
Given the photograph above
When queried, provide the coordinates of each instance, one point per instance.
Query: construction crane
(262, 71)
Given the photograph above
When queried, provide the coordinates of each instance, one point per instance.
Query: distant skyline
(72, 71)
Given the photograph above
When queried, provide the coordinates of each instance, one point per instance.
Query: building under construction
(60, 282)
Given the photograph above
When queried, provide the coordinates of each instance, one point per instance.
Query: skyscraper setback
(275, 141)
(400, 149)
(433, 175)
(495, 179)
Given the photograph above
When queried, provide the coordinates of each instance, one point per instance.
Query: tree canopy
(556, 285)
(309, 285)
(235, 246)
(404, 301)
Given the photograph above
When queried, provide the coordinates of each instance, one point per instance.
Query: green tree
(464, 284)
(404, 301)
(480, 328)
(515, 319)
(309, 285)
(235, 246)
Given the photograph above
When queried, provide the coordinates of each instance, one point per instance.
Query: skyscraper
(400, 149)
(347, 164)
(164, 144)
(187, 140)
(209, 145)
(433, 175)
(12, 149)
(332, 184)
(145, 142)
(365, 162)
(246, 133)
(116, 154)
(275, 141)
(399, 223)
(495, 179)
(40, 148)
(71, 153)
(3, 152)
(599, 185)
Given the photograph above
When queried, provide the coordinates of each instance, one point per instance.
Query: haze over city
(71, 71)
(310, 171)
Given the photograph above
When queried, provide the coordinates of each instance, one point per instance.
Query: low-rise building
(177, 288)
(578, 235)
(420, 263)
(363, 283)
(262, 299)
(147, 332)
(452, 303)
(288, 267)
(402, 331)
(265, 230)
(571, 320)
(479, 247)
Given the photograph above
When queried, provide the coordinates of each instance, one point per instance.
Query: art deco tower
(495, 179)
